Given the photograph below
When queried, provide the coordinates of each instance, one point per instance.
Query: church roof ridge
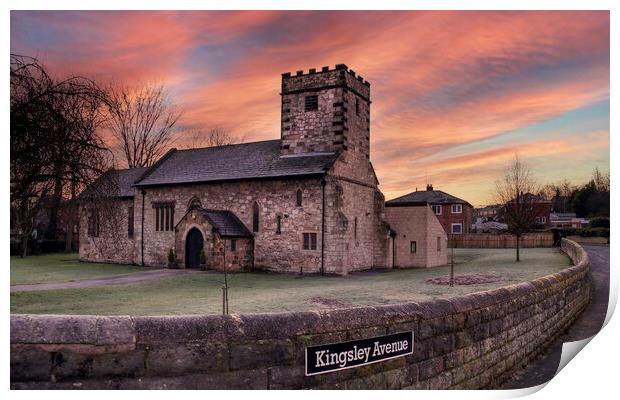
(243, 161)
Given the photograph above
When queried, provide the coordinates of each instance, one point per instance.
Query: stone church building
(308, 202)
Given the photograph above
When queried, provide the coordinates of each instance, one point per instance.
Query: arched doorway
(194, 243)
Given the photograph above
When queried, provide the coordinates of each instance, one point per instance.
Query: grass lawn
(61, 268)
(266, 292)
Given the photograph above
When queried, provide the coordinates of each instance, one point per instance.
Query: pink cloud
(439, 79)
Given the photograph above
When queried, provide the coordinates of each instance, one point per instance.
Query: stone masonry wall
(113, 245)
(342, 120)
(466, 342)
(355, 233)
(417, 224)
(279, 252)
(218, 251)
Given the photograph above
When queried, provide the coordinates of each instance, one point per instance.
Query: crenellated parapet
(325, 110)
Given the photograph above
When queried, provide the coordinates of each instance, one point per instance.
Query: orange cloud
(439, 79)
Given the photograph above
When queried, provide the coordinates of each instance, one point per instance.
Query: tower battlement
(313, 71)
(325, 111)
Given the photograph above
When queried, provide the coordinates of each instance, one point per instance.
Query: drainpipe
(225, 311)
(393, 251)
(253, 251)
(142, 229)
(323, 183)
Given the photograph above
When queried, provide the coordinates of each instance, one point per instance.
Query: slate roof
(227, 223)
(114, 183)
(233, 162)
(423, 197)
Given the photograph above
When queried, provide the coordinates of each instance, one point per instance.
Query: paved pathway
(103, 281)
(588, 324)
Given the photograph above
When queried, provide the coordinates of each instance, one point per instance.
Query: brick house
(454, 214)
(540, 209)
(307, 202)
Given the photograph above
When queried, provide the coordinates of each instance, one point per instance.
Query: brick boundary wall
(467, 342)
(500, 241)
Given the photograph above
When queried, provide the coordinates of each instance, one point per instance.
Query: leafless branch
(143, 121)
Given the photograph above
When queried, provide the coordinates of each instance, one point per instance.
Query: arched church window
(255, 217)
(298, 201)
(194, 203)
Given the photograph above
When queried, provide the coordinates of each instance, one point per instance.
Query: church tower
(325, 111)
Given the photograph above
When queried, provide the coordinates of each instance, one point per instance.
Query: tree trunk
(69, 238)
(518, 243)
(52, 227)
(24, 245)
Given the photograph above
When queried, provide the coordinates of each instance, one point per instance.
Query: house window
(233, 244)
(278, 224)
(413, 247)
(93, 223)
(299, 195)
(255, 217)
(436, 209)
(457, 208)
(312, 103)
(438, 243)
(309, 241)
(355, 228)
(457, 228)
(130, 222)
(357, 107)
(541, 220)
(164, 216)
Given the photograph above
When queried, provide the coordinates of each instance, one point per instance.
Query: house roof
(423, 197)
(233, 162)
(114, 183)
(227, 223)
(530, 198)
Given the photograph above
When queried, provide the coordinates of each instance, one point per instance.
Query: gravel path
(588, 324)
(104, 281)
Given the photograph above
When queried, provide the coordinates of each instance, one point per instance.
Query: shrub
(16, 248)
(599, 222)
(171, 256)
(52, 246)
(595, 232)
(37, 247)
(600, 232)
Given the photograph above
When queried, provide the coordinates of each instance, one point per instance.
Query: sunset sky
(455, 94)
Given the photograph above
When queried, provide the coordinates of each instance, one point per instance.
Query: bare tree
(515, 191)
(55, 140)
(601, 180)
(143, 120)
(216, 136)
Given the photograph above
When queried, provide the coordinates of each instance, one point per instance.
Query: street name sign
(356, 353)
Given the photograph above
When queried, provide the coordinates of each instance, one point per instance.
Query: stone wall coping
(130, 330)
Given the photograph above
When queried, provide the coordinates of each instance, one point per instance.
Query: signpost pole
(452, 263)
(224, 300)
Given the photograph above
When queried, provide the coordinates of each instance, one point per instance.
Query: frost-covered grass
(200, 293)
(61, 268)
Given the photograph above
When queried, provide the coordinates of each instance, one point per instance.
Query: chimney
(429, 188)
